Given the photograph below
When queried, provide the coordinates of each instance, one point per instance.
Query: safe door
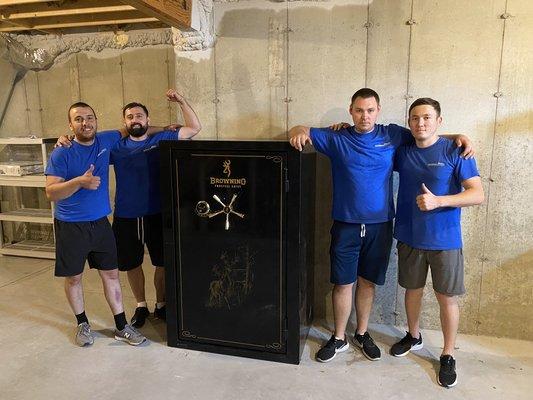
(230, 218)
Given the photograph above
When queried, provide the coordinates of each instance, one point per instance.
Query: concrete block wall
(280, 63)
(105, 80)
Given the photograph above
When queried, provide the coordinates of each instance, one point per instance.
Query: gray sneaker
(84, 335)
(130, 335)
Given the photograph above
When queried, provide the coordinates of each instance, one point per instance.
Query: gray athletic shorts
(447, 269)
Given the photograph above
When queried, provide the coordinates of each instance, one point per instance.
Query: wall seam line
(287, 68)
(28, 123)
(367, 40)
(40, 102)
(169, 82)
(490, 170)
(215, 100)
(408, 81)
(78, 77)
(121, 63)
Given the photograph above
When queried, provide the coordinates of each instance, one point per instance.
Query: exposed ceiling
(64, 16)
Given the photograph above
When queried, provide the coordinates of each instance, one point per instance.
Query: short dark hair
(79, 104)
(365, 93)
(426, 101)
(132, 105)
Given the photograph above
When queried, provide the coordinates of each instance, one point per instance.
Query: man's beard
(137, 130)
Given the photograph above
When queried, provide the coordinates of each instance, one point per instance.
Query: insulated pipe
(15, 60)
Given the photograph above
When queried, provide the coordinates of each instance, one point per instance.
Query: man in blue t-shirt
(428, 227)
(137, 218)
(77, 181)
(361, 159)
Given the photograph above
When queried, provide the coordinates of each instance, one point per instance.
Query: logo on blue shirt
(435, 164)
(382, 144)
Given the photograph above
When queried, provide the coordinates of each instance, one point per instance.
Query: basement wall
(276, 64)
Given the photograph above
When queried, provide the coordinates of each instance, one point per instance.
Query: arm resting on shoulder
(462, 141)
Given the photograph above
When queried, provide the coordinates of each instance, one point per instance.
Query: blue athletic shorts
(359, 250)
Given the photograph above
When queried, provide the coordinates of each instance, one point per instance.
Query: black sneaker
(161, 313)
(404, 346)
(330, 350)
(367, 346)
(139, 318)
(447, 376)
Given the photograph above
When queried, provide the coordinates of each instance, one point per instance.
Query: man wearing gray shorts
(428, 227)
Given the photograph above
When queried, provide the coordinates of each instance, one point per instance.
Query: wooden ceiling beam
(175, 13)
(24, 15)
(59, 12)
(101, 28)
(19, 2)
(75, 21)
(11, 26)
(64, 7)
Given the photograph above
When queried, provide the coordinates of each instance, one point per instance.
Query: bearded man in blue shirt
(137, 218)
(361, 159)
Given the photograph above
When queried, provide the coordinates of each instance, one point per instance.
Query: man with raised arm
(137, 218)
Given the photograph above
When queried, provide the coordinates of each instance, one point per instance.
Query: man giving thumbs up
(435, 182)
(77, 181)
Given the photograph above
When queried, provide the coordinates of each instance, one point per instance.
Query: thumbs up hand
(88, 180)
(427, 201)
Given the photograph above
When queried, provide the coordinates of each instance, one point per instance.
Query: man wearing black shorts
(137, 218)
(77, 181)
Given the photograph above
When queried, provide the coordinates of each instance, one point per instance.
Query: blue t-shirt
(441, 169)
(361, 165)
(71, 162)
(137, 173)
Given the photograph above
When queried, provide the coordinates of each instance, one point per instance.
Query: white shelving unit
(27, 248)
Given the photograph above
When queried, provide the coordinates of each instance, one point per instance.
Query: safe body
(238, 221)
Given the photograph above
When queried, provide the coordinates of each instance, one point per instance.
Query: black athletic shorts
(77, 242)
(132, 234)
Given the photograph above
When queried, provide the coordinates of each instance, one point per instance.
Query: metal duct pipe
(15, 60)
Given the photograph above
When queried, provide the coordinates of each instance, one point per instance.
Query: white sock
(160, 305)
(142, 304)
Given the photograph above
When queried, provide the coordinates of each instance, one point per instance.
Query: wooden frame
(49, 15)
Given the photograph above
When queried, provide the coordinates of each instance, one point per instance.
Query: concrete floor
(40, 361)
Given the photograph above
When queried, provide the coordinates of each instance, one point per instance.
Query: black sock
(82, 318)
(120, 320)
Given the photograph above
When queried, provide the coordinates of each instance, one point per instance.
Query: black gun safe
(238, 235)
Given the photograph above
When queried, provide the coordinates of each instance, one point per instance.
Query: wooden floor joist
(50, 15)
(176, 13)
